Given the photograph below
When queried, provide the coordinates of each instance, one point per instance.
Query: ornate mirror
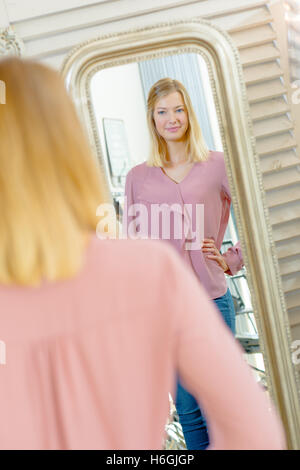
(109, 79)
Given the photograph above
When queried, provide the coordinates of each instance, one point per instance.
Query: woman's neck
(176, 153)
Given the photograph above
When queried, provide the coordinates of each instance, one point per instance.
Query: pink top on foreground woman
(90, 361)
(206, 184)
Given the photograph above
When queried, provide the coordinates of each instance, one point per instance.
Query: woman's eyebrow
(179, 106)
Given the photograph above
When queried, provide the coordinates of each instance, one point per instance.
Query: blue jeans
(190, 416)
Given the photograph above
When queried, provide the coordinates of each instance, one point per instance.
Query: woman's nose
(172, 118)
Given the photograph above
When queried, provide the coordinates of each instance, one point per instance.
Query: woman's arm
(231, 262)
(234, 259)
(211, 366)
(233, 256)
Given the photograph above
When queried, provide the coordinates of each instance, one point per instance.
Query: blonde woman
(182, 174)
(89, 351)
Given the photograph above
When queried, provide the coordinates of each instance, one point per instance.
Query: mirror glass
(119, 96)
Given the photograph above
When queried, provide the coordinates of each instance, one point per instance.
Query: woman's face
(170, 117)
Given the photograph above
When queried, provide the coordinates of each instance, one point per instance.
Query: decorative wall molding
(10, 43)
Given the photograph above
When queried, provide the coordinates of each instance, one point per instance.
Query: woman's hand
(213, 253)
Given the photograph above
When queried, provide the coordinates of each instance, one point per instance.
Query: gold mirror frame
(243, 169)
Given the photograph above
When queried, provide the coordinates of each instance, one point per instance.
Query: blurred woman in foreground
(96, 330)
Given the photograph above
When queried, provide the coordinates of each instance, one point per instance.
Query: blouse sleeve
(233, 256)
(128, 220)
(211, 366)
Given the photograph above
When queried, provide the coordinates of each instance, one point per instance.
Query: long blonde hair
(196, 148)
(50, 185)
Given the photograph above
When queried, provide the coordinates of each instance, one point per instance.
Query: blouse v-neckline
(171, 179)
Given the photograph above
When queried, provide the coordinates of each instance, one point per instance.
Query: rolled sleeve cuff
(234, 259)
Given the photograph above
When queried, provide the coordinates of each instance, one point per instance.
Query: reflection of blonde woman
(89, 352)
(181, 172)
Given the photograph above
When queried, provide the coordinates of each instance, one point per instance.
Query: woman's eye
(180, 109)
(160, 112)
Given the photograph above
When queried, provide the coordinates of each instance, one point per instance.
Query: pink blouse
(206, 189)
(89, 361)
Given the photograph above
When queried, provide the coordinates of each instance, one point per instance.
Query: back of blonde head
(196, 148)
(50, 185)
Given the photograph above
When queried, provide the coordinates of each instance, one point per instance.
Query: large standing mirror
(109, 79)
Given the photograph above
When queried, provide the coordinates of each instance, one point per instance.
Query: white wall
(117, 93)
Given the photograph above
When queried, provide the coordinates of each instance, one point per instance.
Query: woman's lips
(172, 129)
